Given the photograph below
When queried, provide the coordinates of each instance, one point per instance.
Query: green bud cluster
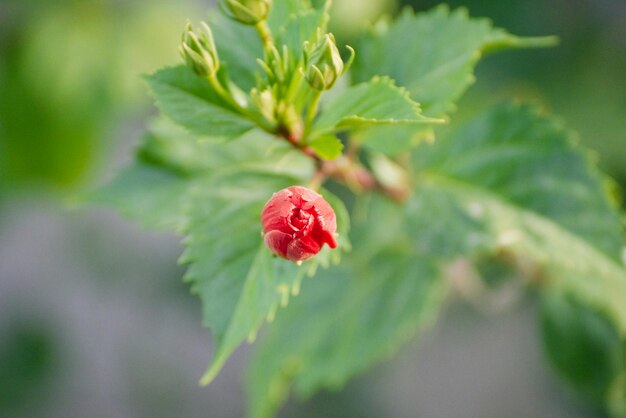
(323, 63)
(199, 51)
(248, 12)
(286, 97)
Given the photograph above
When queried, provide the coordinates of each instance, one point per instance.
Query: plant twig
(224, 94)
(265, 33)
(346, 170)
(311, 113)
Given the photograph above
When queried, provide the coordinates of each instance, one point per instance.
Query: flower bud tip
(297, 222)
(248, 12)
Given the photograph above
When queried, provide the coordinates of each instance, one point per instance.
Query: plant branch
(294, 85)
(265, 33)
(348, 171)
(311, 113)
(221, 91)
(224, 94)
(360, 179)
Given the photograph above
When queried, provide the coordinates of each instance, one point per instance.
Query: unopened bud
(266, 103)
(297, 222)
(248, 12)
(324, 64)
(199, 51)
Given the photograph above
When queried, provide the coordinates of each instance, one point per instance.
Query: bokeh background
(94, 319)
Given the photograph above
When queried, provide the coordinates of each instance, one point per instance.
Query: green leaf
(582, 345)
(393, 140)
(282, 11)
(240, 282)
(345, 320)
(190, 101)
(173, 148)
(433, 54)
(351, 316)
(156, 190)
(156, 197)
(514, 181)
(240, 62)
(214, 192)
(616, 403)
(328, 147)
(302, 27)
(170, 146)
(376, 102)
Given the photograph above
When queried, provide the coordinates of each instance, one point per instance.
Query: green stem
(311, 113)
(265, 33)
(224, 94)
(294, 86)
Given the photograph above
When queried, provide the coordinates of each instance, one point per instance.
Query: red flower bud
(297, 222)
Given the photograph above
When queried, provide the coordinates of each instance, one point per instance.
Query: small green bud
(248, 12)
(199, 51)
(266, 103)
(323, 63)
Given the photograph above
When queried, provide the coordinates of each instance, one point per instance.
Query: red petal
(330, 239)
(302, 249)
(288, 237)
(278, 242)
(326, 215)
(301, 195)
(277, 211)
(323, 236)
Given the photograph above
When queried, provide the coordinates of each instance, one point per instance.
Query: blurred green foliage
(350, 17)
(581, 80)
(26, 359)
(582, 345)
(69, 76)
